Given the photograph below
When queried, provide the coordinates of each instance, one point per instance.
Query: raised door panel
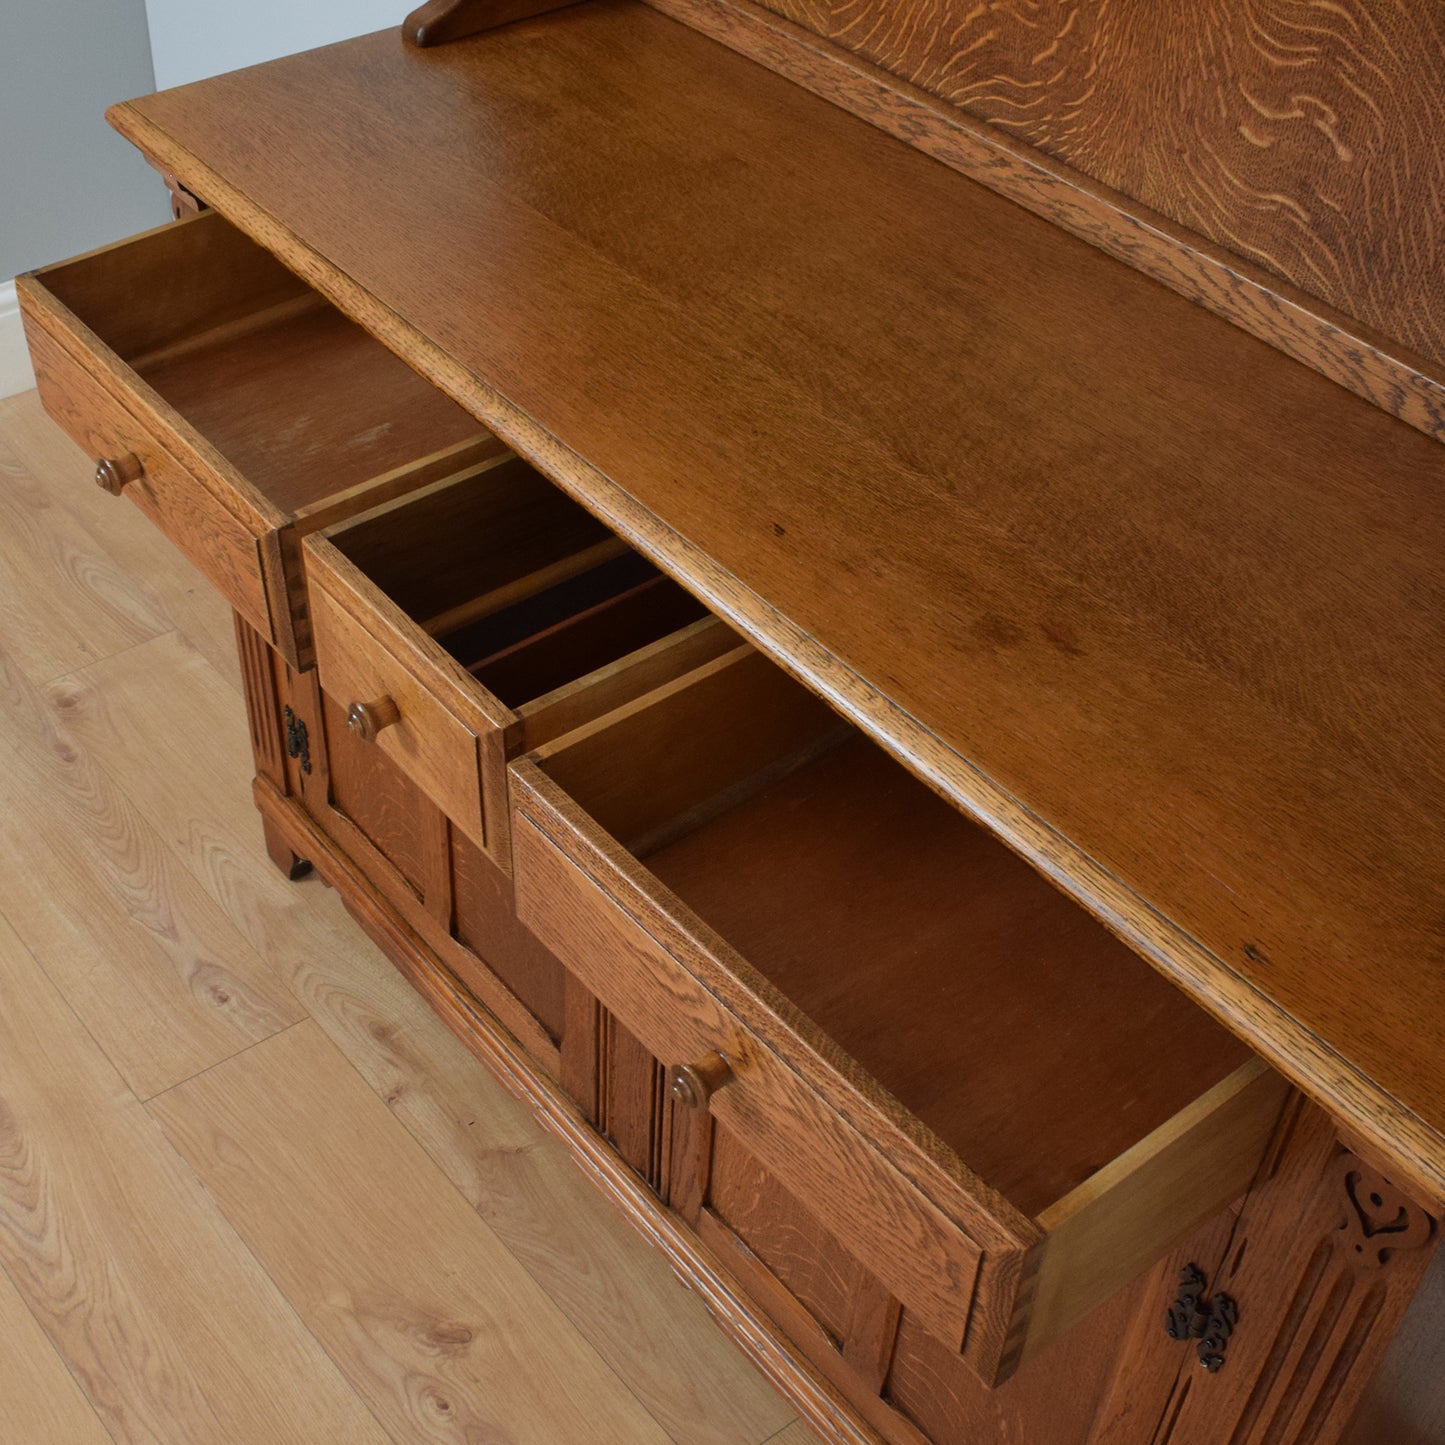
(822, 1294)
(493, 942)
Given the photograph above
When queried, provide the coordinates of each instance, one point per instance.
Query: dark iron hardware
(298, 745)
(1187, 1318)
(1192, 1317)
(1223, 1316)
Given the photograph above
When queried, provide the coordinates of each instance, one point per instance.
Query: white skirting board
(15, 372)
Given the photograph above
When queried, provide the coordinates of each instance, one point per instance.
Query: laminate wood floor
(251, 1189)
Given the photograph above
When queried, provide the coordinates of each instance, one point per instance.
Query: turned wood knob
(693, 1085)
(366, 719)
(115, 474)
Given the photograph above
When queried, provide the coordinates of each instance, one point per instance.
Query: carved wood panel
(1305, 137)
(485, 923)
(1322, 1264)
(262, 702)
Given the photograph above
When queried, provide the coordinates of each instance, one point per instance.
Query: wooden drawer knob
(115, 474)
(367, 719)
(693, 1085)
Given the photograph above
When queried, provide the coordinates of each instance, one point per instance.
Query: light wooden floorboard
(171, 986)
(40, 1403)
(133, 871)
(795, 1434)
(163, 582)
(92, 608)
(171, 1327)
(436, 1325)
(622, 1296)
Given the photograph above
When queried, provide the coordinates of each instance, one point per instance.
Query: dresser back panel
(1306, 138)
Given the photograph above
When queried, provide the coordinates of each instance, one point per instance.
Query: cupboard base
(694, 1265)
(1116, 1379)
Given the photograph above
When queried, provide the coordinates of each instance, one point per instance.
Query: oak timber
(478, 1030)
(1303, 138)
(41, 1401)
(823, 51)
(160, 1349)
(1157, 557)
(422, 1287)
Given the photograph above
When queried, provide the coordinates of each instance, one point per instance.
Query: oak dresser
(854, 593)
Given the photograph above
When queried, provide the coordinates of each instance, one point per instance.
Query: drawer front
(800, 855)
(922, 1257)
(227, 551)
(363, 658)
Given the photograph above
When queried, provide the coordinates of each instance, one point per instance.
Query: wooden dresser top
(1162, 607)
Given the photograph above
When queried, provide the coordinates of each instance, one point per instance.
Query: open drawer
(978, 1094)
(233, 405)
(485, 614)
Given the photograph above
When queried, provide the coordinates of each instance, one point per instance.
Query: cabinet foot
(281, 852)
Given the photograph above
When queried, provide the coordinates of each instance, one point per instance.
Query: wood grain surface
(902, 930)
(1181, 632)
(93, 608)
(1383, 370)
(224, 546)
(147, 958)
(422, 1287)
(162, 1351)
(365, 659)
(620, 1296)
(40, 1401)
(1302, 137)
(697, 1266)
(928, 1259)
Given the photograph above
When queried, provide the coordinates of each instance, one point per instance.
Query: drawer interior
(524, 588)
(1023, 1034)
(303, 402)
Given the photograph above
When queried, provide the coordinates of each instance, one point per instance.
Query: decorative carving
(1192, 1317)
(1223, 1316)
(1377, 1221)
(298, 744)
(1186, 1318)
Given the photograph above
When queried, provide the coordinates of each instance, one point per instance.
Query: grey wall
(191, 41)
(67, 181)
